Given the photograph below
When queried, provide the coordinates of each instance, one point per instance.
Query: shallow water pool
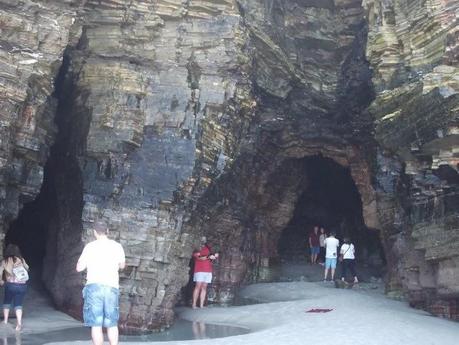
(181, 330)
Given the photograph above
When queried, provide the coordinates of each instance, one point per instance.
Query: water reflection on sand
(12, 339)
(181, 330)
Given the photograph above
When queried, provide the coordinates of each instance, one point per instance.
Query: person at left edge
(13, 269)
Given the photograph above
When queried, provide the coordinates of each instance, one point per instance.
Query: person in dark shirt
(322, 237)
(314, 244)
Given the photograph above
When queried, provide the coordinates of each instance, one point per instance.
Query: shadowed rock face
(33, 37)
(412, 47)
(152, 99)
(312, 87)
(181, 118)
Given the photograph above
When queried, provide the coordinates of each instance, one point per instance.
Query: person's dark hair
(333, 233)
(101, 228)
(12, 251)
(347, 240)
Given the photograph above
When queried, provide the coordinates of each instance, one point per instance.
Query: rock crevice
(173, 119)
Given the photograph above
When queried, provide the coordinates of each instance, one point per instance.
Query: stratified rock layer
(33, 38)
(177, 118)
(413, 48)
(155, 97)
(312, 89)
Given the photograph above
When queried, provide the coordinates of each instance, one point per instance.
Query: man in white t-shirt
(102, 259)
(331, 254)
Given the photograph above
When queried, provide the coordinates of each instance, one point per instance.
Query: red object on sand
(318, 310)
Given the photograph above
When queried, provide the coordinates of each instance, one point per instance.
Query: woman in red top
(202, 272)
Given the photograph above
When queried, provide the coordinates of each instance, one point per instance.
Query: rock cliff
(413, 49)
(33, 38)
(170, 119)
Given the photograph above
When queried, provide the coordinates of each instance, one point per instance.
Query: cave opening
(29, 232)
(48, 225)
(48, 229)
(328, 197)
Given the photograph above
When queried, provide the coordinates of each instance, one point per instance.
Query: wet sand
(357, 316)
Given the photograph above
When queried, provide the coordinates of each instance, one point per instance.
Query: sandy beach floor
(357, 316)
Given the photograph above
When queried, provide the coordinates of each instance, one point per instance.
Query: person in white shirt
(348, 252)
(331, 249)
(102, 259)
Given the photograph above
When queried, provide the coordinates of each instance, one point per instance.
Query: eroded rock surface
(155, 97)
(177, 118)
(413, 48)
(33, 38)
(312, 88)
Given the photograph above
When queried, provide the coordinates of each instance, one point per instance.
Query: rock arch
(248, 209)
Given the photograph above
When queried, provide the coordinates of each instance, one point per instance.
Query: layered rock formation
(154, 95)
(33, 38)
(152, 98)
(413, 49)
(177, 118)
(309, 67)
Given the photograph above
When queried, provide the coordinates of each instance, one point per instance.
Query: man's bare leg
(326, 274)
(112, 333)
(97, 336)
(332, 274)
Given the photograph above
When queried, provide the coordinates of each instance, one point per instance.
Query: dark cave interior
(329, 199)
(29, 232)
(50, 226)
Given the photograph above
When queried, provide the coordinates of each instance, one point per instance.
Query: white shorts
(202, 277)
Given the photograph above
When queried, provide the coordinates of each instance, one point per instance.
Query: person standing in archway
(348, 252)
(202, 272)
(102, 259)
(14, 269)
(331, 250)
(314, 244)
(322, 237)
